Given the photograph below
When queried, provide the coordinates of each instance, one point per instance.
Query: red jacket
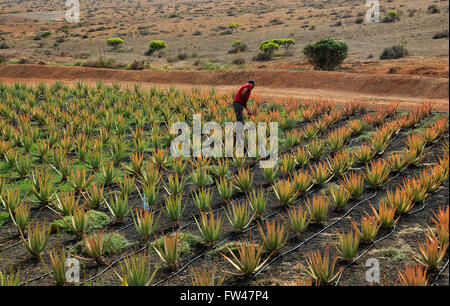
(240, 97)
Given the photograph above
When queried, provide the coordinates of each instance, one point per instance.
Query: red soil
(339, 86)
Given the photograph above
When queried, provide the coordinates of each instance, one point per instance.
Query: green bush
(155, 45)
(391, 17)
(238, 46)
(234, 26)
(269, 47)
(114, 42)
(97, 220)
(326, 54)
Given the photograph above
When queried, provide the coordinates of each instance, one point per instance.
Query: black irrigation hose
(364, 252)
(226, 239)
(440, 273)
(375, 242)
(11, 245)
(314, 235)
(181, 269)
(196, 258)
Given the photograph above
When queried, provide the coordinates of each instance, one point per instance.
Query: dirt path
(341, 87)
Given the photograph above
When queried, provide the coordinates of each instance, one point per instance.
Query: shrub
(4, 45)
(155, 45)
(101, 62)
(234, 26)
(391, 16)
(268, 49)
(182, 56)
(326, 54)
(394, 52)
(114, 42)
(238, 46)
(136, 65)
(284, 42)
(239, 61)
(443, 34)
(433, 9)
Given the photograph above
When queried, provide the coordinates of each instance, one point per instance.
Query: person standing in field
(241, 99)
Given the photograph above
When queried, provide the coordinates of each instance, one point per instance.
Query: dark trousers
(239, 110)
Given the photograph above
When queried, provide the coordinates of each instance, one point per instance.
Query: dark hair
(251, 82)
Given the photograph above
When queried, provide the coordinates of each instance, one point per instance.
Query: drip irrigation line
(364, 252)
(201, 255)
(316, 234)
(223, 241)
(440, 273)
(375, 242)
(10, 246)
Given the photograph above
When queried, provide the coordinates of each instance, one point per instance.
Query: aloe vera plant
(42, 186)
(413, 275)
(297, 220)
(137, 270)
(173, 209)
(225, 188)
(431, 253)
(249, 261)
(221, 169)
(175, 185)
(145, 222)
(200, 177)
(320, 268)
(285, 192)
(169, 249)
(65, 203)
(270, 174)
(239, 216)
(275, 236)
(354, 183)
(203, 199)
(11, 279)
(258, 202)
(377, 172)
(96, 246)
(318, 208)
(38, 235)
(339, 196)
(58, 265)
(21, 217)
(10, 199)
(243, 180)
(118, 207)
(348, 244)
(369, 228)
(209, 227)
(205, 277)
